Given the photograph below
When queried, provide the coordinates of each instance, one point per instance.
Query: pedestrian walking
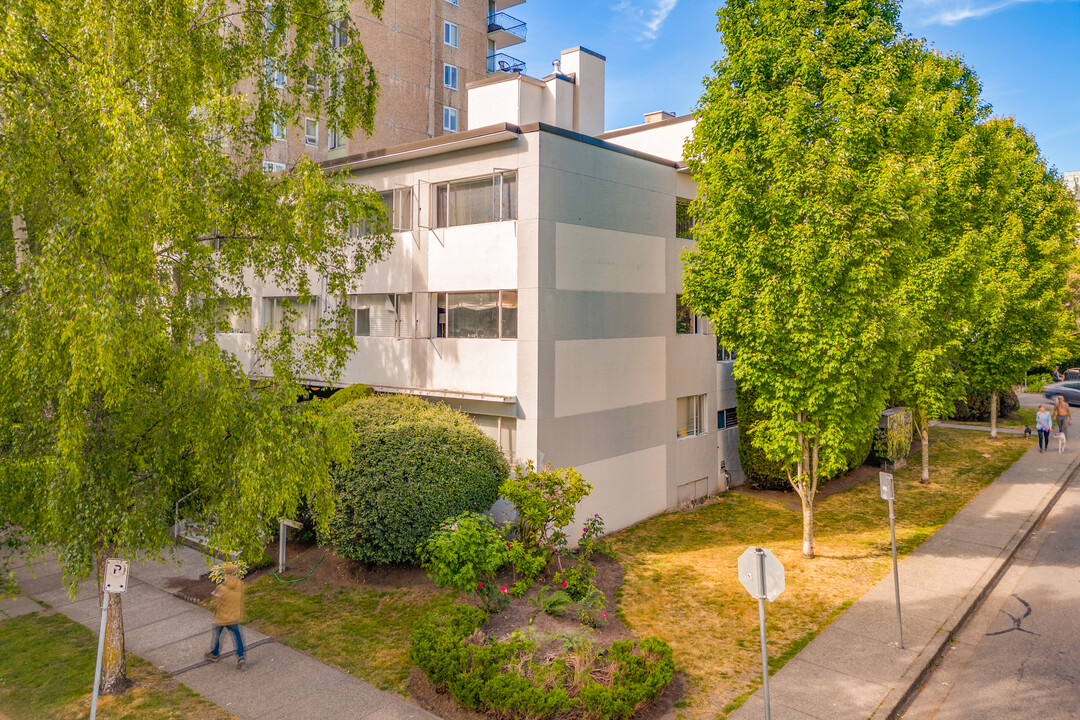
(1043, 423)
(1063, 416)
(228, 607)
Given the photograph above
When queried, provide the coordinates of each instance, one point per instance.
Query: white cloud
(951, 12)
(648, 16)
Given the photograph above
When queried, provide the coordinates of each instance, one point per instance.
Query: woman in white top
(1043, 423)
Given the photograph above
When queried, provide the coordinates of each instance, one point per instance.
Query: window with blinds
(477, 314)
(491, 198)
(291, 312)
(383, 315)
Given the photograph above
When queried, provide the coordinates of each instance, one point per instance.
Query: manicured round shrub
(347, 394)
(414, 464)
(764, 474)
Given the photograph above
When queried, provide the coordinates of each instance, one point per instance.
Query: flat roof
(644, 126)
(488, 135)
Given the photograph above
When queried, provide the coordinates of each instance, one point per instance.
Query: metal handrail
(508, 23)
(501, 62)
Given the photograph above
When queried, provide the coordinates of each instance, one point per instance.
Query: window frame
(309, 139)
(450, 119)
(696, 411)
(333, 139)
(312, 309)
(277, 122)
(396, 302)
(270, 166)
(504, 190)
(450, 77)
(451, 32)
(442, 311)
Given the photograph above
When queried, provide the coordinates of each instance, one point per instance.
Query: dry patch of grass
(47, 673)
(681, 583)
(366, 632)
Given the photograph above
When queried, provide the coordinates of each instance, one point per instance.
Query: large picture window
(478, 314)
(383, 315)
(292, 312)
(491, 198)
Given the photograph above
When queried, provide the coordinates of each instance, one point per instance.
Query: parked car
(1070, 390)
(1072, 374)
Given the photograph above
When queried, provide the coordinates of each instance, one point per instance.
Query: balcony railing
(501, 62)
(505, 29)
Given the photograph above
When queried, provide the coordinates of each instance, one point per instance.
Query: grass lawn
(681, 582)
(365, 632)
(47, 673)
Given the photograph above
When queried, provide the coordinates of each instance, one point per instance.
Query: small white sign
(116, 575)
(750, 573)
(886, 481)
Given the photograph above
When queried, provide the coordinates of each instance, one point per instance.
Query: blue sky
(1026, 53)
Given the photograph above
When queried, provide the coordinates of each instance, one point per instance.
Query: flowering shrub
(464, 554)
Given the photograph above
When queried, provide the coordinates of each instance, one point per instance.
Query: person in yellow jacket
(228, 607)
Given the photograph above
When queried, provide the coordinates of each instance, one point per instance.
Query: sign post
(116, 580)
(284, 523)
(763, 577)
(887, 493)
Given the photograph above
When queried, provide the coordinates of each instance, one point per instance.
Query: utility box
(892, 438)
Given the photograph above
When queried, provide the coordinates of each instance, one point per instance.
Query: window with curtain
(291, 312)
(491, 314)
(491, 198)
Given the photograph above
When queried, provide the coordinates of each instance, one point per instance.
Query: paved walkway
(278, 683)
(854, 669)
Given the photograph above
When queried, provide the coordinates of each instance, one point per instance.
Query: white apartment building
(535, 284)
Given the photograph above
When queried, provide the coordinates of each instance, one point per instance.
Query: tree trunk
(807, 525)
(993, 414)
(924, 434)
(114, 679)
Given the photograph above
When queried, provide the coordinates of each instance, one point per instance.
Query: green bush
(514, 679)
(764, 474)
(975, 405)
(464, 554)
(347, 394)
(414, 464)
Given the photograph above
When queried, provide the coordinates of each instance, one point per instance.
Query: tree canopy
(136, 216)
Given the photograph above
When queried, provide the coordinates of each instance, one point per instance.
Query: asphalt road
(1019, 655)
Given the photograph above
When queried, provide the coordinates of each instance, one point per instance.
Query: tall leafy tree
(811, 155)
(135, 216)
(1023, 286)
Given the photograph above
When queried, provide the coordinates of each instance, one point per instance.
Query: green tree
(1023, 287)
(135, 215)
(811, 147)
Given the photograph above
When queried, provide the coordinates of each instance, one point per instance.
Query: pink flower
(507, 544)
(480, 585)
(503, 588)
(603, 615)
(564, 583)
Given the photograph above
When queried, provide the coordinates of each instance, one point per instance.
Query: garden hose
(309, 571)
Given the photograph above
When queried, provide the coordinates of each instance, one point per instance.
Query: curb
(896, 701)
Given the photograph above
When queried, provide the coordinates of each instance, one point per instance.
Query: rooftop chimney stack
(587, 68)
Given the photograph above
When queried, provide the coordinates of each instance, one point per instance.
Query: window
(449, 119)
(502, 430)
(277, 128)
(449, 73)
(482, 200)
(311, 132)
(399, 202)
(275, 74)
(383, 315)
(684, 221)
(235, 315)
(271, 167)
(311, 83)
(731, 417)
(687, 322)
(333, 140)
(477, 314)
(723, 354)
(452, 2)
(690, 415)
(290, 312)
(339, 33)
(450, 34)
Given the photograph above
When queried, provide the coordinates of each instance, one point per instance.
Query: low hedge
(414, 464)
(975, 405)
(515, 679)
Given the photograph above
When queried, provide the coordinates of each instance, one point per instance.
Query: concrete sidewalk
(277, 682)
(854, 669)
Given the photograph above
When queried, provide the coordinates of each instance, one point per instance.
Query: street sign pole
(888, 493)
(114, 582)
(761, 621)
